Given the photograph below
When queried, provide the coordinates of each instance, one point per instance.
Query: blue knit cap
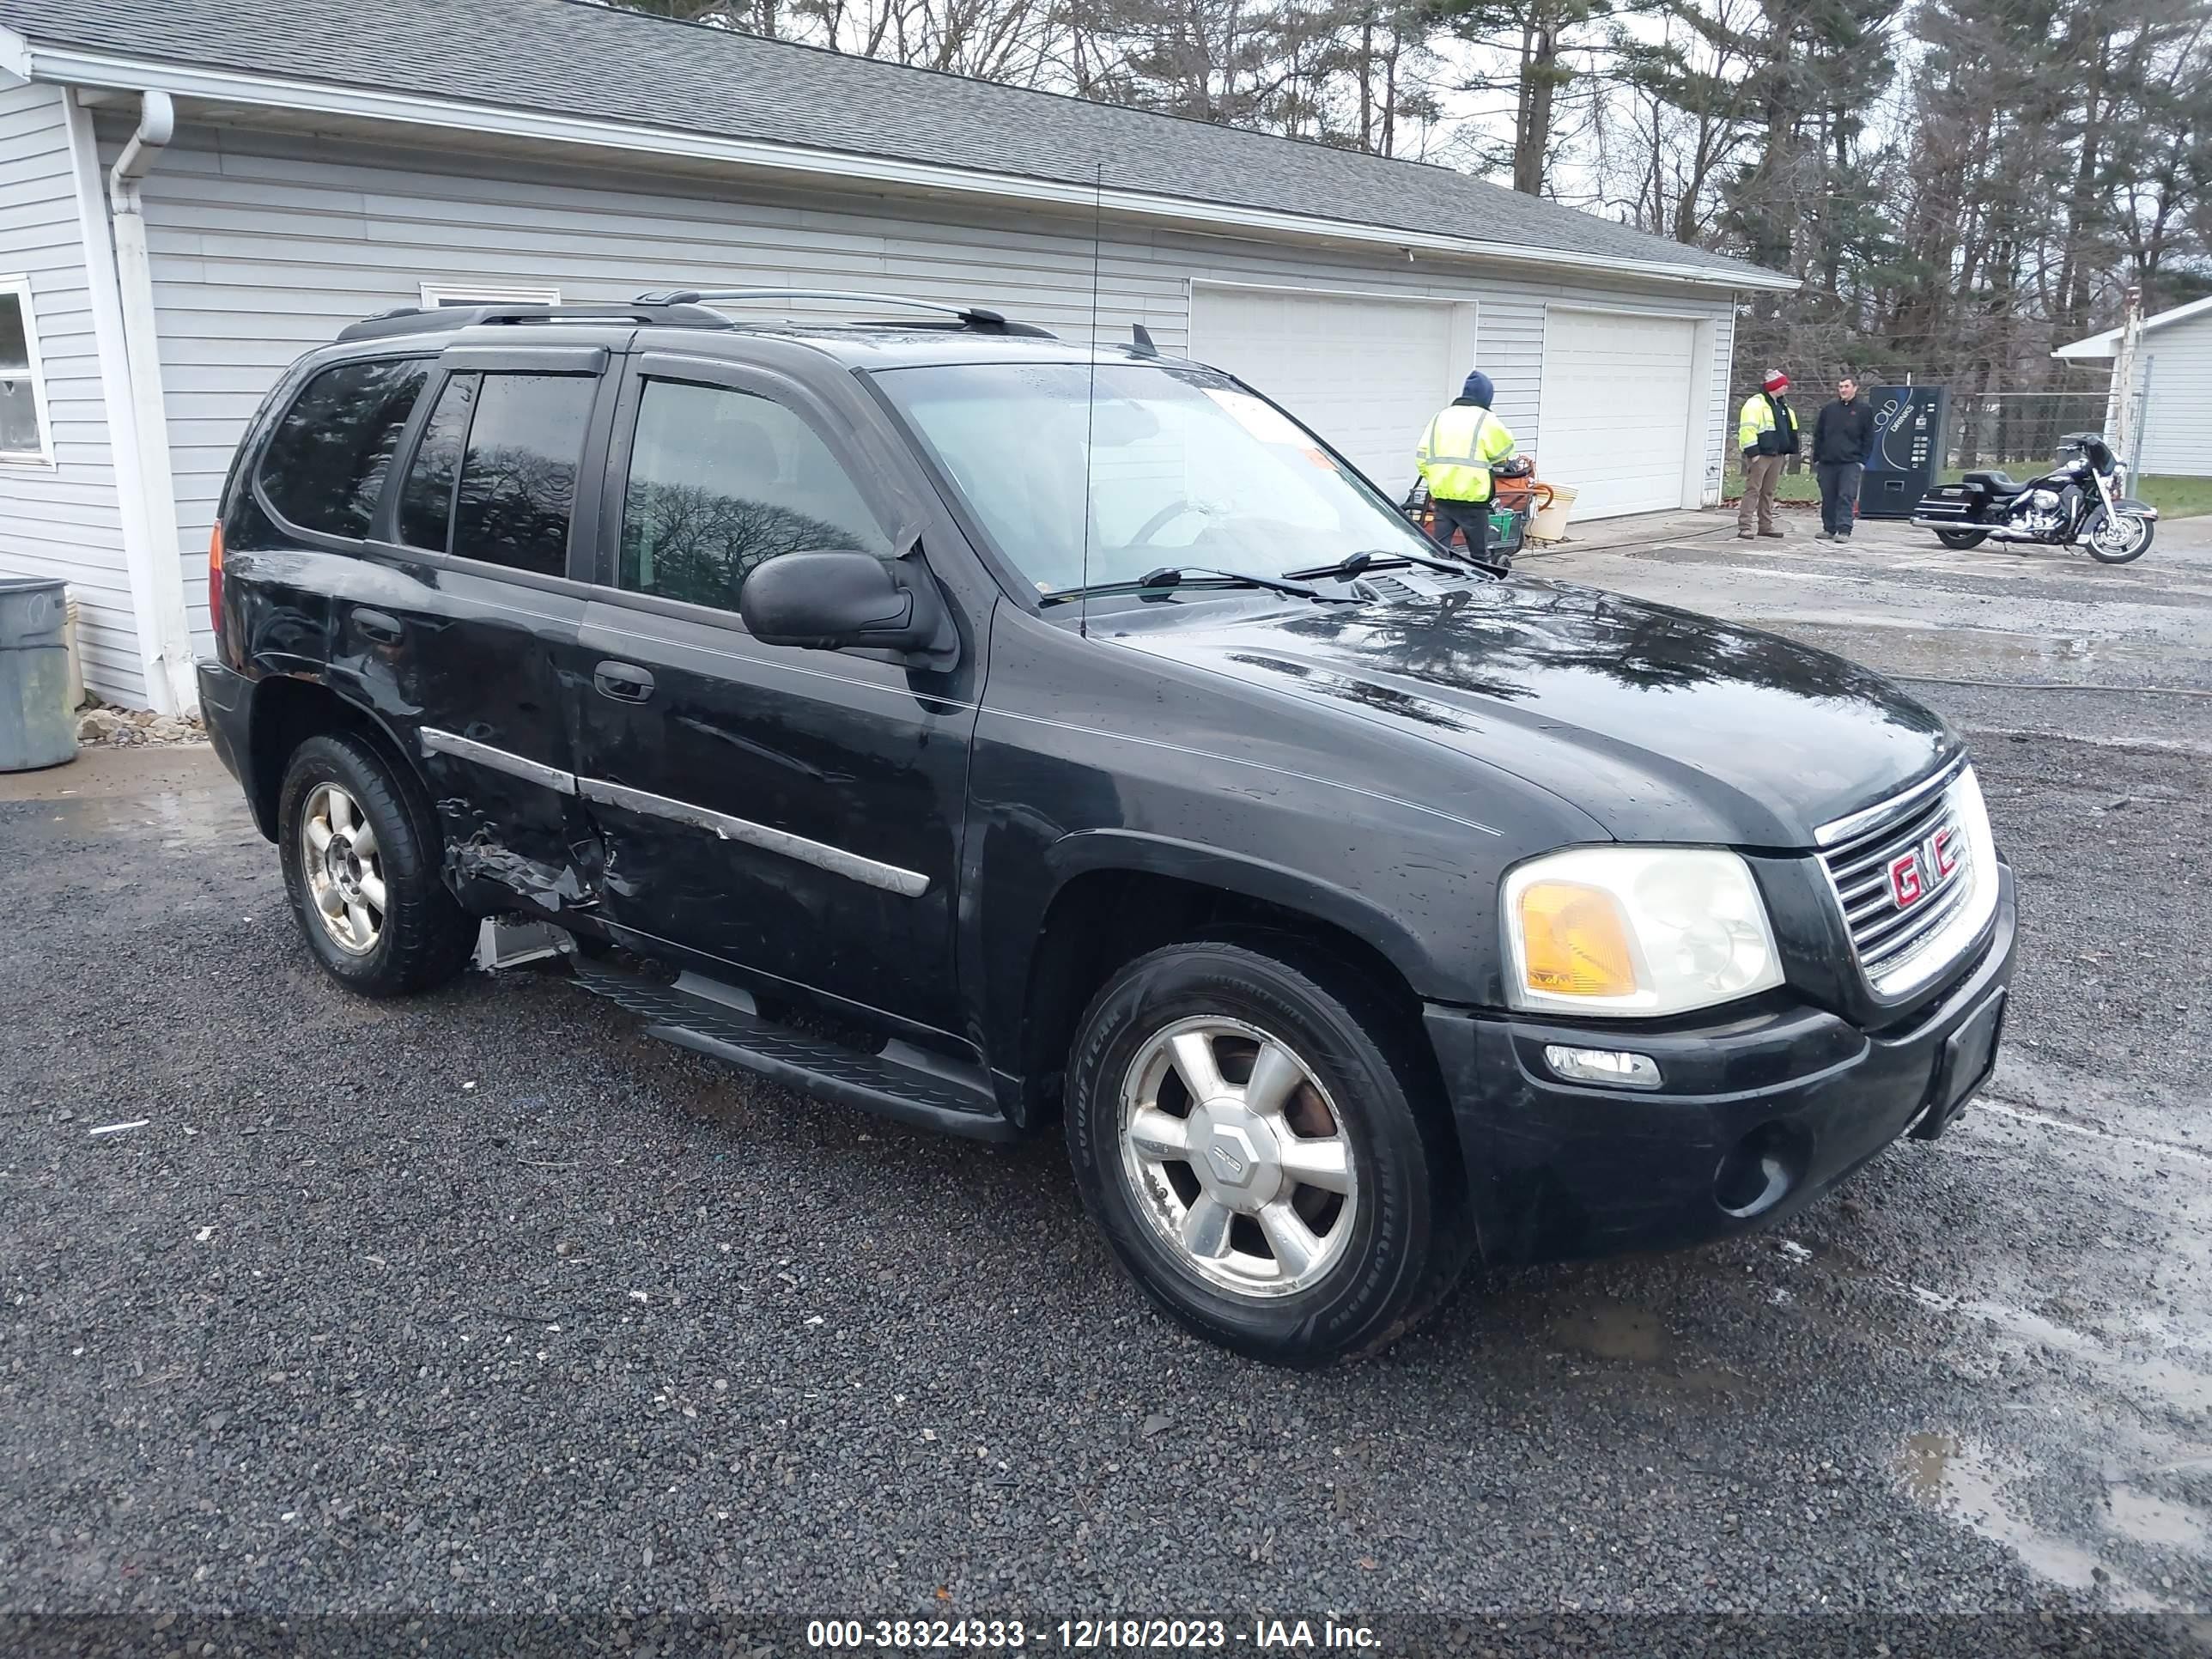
(1478, 387)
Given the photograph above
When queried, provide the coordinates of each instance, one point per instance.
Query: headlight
(1636, 930)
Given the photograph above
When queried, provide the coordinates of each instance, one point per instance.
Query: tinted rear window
(494, 475)
(326, 465)
(426, 500)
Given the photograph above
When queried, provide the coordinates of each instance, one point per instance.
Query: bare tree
(1957, 185)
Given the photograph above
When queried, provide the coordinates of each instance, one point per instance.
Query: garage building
(2171, 396)
(193, 193)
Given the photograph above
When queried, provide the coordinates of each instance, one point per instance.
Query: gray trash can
(37, 726)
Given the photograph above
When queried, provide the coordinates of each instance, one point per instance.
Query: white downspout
(170, 677)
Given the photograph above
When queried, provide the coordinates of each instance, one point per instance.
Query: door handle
(384, 629)
(623, 682)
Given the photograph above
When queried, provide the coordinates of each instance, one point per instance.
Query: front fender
(1249, 877)
(1088, 759)
(1417, 887)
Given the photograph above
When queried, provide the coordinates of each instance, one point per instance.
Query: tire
(417, 936)
(1962, 539)
(2149, 532)
(1390, 1237)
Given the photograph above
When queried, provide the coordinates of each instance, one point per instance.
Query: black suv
(985, 730)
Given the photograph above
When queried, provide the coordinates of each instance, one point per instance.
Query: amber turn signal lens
(1576, 941)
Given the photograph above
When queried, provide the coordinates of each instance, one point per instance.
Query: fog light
(1757, 1171)
(1610, 1067)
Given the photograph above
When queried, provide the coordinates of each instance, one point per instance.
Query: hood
(1661, 724)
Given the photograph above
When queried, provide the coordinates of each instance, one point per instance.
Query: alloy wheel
(2118, 535)
(344, 868)
(1238, 1158)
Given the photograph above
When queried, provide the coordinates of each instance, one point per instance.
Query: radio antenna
(1091, 399)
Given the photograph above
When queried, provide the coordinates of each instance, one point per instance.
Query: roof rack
(423, 319)
(973, 317)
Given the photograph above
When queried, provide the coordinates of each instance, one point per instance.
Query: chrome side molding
(869, 872)
(907, 883)
(435, 742)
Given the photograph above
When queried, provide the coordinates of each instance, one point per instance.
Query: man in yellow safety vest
(1766, 432)
(1455, 455)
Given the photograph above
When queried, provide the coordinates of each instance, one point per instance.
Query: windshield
(1188, 469)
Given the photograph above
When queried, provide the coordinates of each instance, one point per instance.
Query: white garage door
(1615, 422)
(1366, 373)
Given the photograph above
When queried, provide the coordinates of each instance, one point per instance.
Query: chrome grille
(1887, 936)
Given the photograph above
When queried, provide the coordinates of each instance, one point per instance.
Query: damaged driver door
(794, 814)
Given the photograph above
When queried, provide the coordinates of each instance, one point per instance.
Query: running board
(709, 1018)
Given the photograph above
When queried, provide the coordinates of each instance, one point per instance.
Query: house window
(496, 294)
(25, 432)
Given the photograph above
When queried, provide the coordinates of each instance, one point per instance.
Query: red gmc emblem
(1914, 875)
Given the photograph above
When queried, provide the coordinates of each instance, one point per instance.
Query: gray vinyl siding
(2177, 371)
(265, 247)
(64, 519)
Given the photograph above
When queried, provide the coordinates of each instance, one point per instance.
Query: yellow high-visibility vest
(1757, 417)
(1455, 453)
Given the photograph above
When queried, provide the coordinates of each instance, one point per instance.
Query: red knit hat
(1777, 380)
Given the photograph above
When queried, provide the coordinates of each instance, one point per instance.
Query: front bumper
(1756, 1117)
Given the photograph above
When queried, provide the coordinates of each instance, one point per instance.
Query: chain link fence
(2008, 428)
(2017, 432)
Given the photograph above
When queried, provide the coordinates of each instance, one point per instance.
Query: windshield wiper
(1358, 564)
(1168, 577)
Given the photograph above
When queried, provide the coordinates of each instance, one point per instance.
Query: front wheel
(1251, 1133)
(2120, 540)
(1962, 539)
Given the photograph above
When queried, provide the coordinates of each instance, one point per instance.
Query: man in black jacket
(1843, 438)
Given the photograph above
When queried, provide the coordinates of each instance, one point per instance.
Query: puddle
(1964, 1480)
(178, 823)
(2158, 1379)
(1898, 646)
(2149, 1519)
(1612, 1330)
(1927, 1460)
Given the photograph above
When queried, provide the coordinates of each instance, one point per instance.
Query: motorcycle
(2078, 503)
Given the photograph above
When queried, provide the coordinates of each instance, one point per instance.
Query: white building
(192, 193)
(2171, 389)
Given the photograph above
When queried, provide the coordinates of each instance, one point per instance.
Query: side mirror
(832, 601)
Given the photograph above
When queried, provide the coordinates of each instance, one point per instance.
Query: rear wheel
(360, 867)
(2120, 540)
(1250, 1132)
(1962, 539)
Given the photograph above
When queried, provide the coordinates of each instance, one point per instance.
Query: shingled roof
(573, 58)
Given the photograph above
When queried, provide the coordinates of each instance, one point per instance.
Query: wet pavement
(485, 1301)
(2030, 625)
(2085, 693)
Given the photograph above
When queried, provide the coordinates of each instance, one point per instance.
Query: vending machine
(1908, 449)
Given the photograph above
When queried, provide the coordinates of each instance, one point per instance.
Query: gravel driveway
(484, 1301)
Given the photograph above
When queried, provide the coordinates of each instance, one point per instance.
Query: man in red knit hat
(1767, 433)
